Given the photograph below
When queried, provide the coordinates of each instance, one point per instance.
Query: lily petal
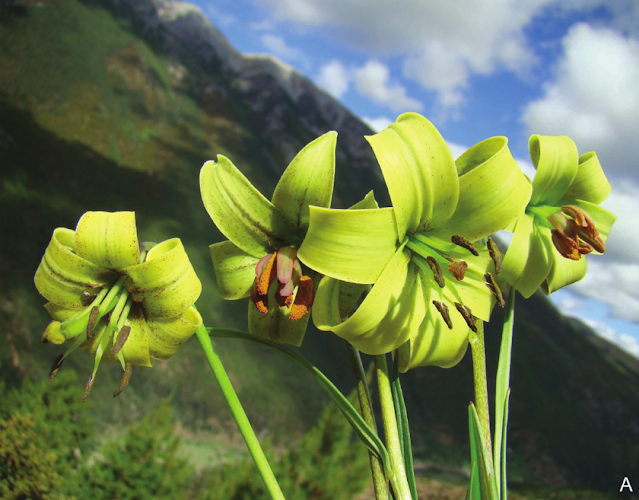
(492, 191)
(165, 282)
(386, 318)
(351, 245)
(136, 348)
(234, 270)
(419, 171)
(556, 160)
(108, 239)
(308, 180)
(240, 211)
(563, 272)
(63, 277)
(529, 257)
(434, 344)
(167, 335)
(590, 184)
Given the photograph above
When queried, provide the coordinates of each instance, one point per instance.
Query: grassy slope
(94, 117)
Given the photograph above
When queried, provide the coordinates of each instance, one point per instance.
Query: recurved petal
(240, 211)
(63, 277)
(434, 344)
(492, 191)
(351, 245)
(136, 348)
(590, 184)
(308, 180)
(563, 272)
(108, 239)
(165, 283)
(386, 318)
(528, 259)
(419, 171)
(234, 270)
(166, 335)
(556, 160)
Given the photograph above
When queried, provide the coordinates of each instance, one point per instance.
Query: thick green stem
(393, 443)
(240, 417)
(379, 480)
(481, 384)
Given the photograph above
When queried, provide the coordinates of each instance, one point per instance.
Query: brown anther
(494, 289)
(126, 378)
(266, 276)
(467, 315)
(303, 299)
(260, 301)
(56, 366)
(87, 389)
(495, 254)
(437, 271)
(122, 337)
(576, 236)
(566, 245)
(443, 310)
(458, 269)
(93, 319)
(460, 241)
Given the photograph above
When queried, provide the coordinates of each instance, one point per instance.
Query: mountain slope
(115, 106)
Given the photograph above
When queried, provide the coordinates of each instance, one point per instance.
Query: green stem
(501, 393)
(399, 480)
(380, 483)
(481, 385)
(238, 414)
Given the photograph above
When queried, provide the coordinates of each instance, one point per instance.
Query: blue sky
(479, 68)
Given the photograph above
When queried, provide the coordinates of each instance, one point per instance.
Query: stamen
(267, 276)
(87, 389)
(460, 241)
(94, 315)
(467, 315)
(437, 271)
(495, 254)
(289, 288)
(303, 300)
(126, 378)
(56, 366)
(123, 335)
(443, 310)
(458, 269)
(260, 301)
(494, 289)
(286, 256)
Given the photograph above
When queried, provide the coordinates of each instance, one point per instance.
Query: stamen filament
(437, 243)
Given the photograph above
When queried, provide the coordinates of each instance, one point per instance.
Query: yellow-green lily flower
(121, 300)
(429, 280)
(263, 237)
(562, 221)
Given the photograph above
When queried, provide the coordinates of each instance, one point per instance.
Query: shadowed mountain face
(115, 105)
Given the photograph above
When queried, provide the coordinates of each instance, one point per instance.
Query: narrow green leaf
(474, 487)
(363, 431)
(488, 486)
(502, 386)
(402, 427)
(503, 485)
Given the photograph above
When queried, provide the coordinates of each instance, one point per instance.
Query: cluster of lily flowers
(413, 278)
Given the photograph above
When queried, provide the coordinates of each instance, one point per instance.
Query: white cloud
(443, 43)
(277, 46)
(265, 25)
(594, 98)
(378, 124)
(219, 17)
(627, 342)
(373, 80)
(334, 78)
